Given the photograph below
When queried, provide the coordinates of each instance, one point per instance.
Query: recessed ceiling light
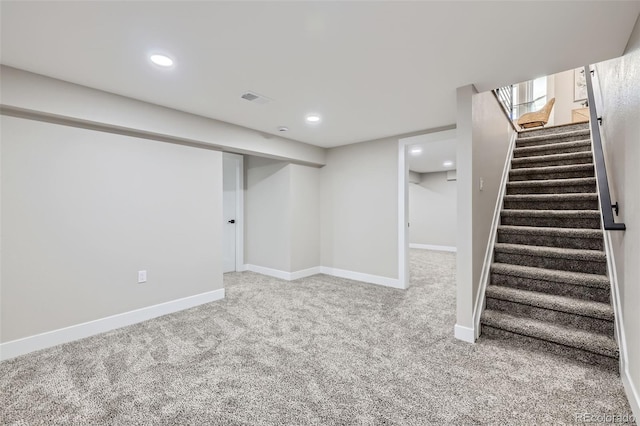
(416, 151)
(313, 118)
(161, 60)
(283, 129)
(448, 163)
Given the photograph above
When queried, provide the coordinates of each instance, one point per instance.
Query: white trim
(630, 388)
(632, 393)
(341, 273)
(25, 345)
(465, 334)
(403, 199)
(239, 212)
(432, 247)
(243, 268)
(359, 276)
(283, 275)
(275, 273)
(304, 273)
(488, 256)
(403, 215)
(239, 161)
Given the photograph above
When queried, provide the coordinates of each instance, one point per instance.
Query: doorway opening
(427, 195)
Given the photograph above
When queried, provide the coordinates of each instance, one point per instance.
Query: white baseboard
(465, 334)
(432, 247)
(283, 275)
(25, 345)
(633, 396)
(341, 273)
(359, 276)
(306, 273)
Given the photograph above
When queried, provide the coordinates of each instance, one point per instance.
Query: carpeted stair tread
(583, 157)
(562, 253)
(564, 259)
(530, 137)
(580, 238)
(552, 302)
(575, 214)
(561, 147)
(552, 275)
(553, 130)
(546, 201)
(574, 338)
(540, 230)
(552, 182)
(552, 172)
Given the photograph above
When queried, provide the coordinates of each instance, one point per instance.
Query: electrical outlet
(481, 184)
(142, 276)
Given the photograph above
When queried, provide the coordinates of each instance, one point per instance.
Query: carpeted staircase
(548, 285)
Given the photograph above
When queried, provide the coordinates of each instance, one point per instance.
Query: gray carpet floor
(317, 351)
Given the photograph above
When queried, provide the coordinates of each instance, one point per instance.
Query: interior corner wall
(359, 205)
(267, 213)
(620, 87)
(282, 215)
(484, 136)
(83, 211)
(432, 210)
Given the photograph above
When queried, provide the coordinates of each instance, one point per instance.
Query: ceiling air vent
(256, 98)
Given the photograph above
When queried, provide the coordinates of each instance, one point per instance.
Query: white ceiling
(432, 157)
(371, 69)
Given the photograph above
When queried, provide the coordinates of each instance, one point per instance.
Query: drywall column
(305, 217)
(464, 329)
(620, 86)
(267, 213)
(282, 217)
(484, 137)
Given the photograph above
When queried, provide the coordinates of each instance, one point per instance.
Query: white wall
(156, 190)
(359, 205)
(83, 211)
(484, 135)
(432, 210)
(620, 86)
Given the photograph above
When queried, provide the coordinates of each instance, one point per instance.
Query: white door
(231, 211)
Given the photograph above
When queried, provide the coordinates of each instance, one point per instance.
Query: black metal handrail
(598, 156)
(505, 96)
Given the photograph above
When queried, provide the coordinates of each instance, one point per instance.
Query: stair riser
(551, 222)
(551, 205)
(553, 130)
(595, 325)
(559, 289)
(517, 177)
(559, 189)
(524, 142)
(551, 241)
(550, 150)
(572, 265)
(542, 162)
(603, 361)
